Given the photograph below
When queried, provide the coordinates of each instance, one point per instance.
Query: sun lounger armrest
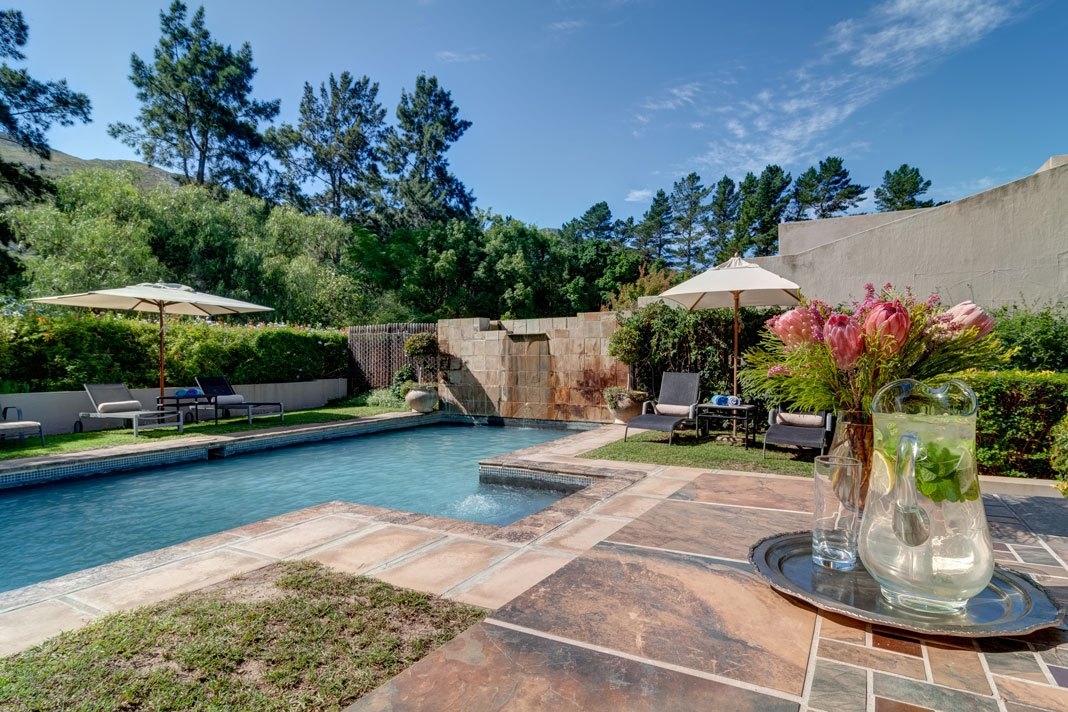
(18, 412)
(648, 407)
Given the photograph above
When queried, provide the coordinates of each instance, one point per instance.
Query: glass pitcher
(924, 536)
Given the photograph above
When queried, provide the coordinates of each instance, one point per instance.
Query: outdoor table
(190, 403)
(743, 413)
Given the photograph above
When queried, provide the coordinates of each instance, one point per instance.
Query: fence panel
(378, 352)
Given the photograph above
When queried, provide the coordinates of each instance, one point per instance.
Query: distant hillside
(63, 164)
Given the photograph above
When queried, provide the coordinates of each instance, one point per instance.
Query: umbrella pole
(735, 342)
(161, 349)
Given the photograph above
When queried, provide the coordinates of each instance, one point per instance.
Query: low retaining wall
(57, 411)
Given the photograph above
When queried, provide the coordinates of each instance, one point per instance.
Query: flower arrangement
(815, 357)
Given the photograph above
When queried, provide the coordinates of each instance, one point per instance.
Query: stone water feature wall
(545, 369)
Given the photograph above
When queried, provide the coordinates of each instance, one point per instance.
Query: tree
(722, 216)
(28, 108)
(595, 224)
(94, 234)
(826, 191)
(423, 190)
(764, 201)
(689, 210)
(336, 145)
(197, 114)
(901, 190)
(653, 233)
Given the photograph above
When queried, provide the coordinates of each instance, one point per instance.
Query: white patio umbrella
(160, 297)
(735, 283)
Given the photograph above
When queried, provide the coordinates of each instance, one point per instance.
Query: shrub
(404, 374)
(1017, 414)
(1058, 453)
(1039, 335)
(385, 398)
(60, 353)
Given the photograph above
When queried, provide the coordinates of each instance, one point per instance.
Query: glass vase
(853, 437)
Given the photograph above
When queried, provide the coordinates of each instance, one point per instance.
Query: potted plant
(624, 403)
(421, 396)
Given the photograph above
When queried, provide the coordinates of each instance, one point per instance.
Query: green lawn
(294, 635)
(710, 453)
(75, 442)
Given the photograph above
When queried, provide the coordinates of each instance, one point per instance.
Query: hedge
(1017, 414)
(46, 353)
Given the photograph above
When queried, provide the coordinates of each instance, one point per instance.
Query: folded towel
(734, 400)
(181, 392)
(720, 400)
(194, 392)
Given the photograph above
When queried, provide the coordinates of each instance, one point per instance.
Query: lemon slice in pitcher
(882, 473)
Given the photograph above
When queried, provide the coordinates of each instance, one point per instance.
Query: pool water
(59, 528)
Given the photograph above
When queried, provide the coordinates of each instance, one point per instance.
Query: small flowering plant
(815, 357)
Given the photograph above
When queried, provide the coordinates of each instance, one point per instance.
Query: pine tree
(901, 190)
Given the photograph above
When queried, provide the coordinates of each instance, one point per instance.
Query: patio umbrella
(160, 297)
(735, 283)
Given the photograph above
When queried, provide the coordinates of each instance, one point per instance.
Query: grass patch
(290, 636)
(347, 409)
(687, 451)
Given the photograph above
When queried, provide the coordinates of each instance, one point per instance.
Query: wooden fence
(378, 352)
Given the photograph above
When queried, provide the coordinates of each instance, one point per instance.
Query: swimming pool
(55, 529)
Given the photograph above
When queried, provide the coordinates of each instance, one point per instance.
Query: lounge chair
(811, 430)
(114, 400)
(676, 405)
(224, 398)
(19, 426)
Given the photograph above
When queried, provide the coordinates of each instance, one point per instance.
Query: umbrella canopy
(735, 283)
(160, 297)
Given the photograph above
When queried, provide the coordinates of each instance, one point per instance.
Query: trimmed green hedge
(1017, 414)
(39, 353)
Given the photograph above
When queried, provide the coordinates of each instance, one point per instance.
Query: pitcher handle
(911, 524)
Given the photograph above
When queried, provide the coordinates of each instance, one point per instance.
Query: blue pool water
(63, 527)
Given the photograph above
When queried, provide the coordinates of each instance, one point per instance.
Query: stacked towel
(734, 400)
(187, 393)
(726, 400)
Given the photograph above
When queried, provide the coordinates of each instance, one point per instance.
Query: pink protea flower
(967, 315)
(795, 327)
(887, 326)
(845, 340)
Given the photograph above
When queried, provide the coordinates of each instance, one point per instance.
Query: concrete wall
(1002, 246)
(58, 411)
(553, 369)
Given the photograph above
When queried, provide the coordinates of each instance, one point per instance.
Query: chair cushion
(805, 420)
(683, 411)
(119, 406)
(235, 399)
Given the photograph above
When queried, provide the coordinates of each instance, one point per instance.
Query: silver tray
(1011, 604)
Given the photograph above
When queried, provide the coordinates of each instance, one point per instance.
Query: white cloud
(677, 97)
(860, 60)
(638, 196)
(567, 25)
(450, 56)
(697, 125)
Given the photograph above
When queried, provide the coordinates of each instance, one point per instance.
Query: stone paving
(634, 594)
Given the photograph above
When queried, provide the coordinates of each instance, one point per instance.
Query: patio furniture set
(678, 406)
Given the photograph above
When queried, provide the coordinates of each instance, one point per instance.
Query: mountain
(62, 164)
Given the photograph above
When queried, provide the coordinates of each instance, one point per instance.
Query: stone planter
(421, 400)
(625, 410)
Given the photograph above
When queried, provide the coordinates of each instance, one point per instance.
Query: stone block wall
(545, 369)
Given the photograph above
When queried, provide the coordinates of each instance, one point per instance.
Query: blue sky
(578, 101)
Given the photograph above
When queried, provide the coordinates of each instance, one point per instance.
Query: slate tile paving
(634, 594)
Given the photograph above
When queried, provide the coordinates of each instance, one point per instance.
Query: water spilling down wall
(545, 369)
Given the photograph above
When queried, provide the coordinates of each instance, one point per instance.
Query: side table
(744, 414)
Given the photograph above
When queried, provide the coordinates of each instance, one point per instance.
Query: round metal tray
(1011, 604)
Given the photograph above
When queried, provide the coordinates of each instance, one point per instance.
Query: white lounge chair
(19, 426)
(114, 400)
